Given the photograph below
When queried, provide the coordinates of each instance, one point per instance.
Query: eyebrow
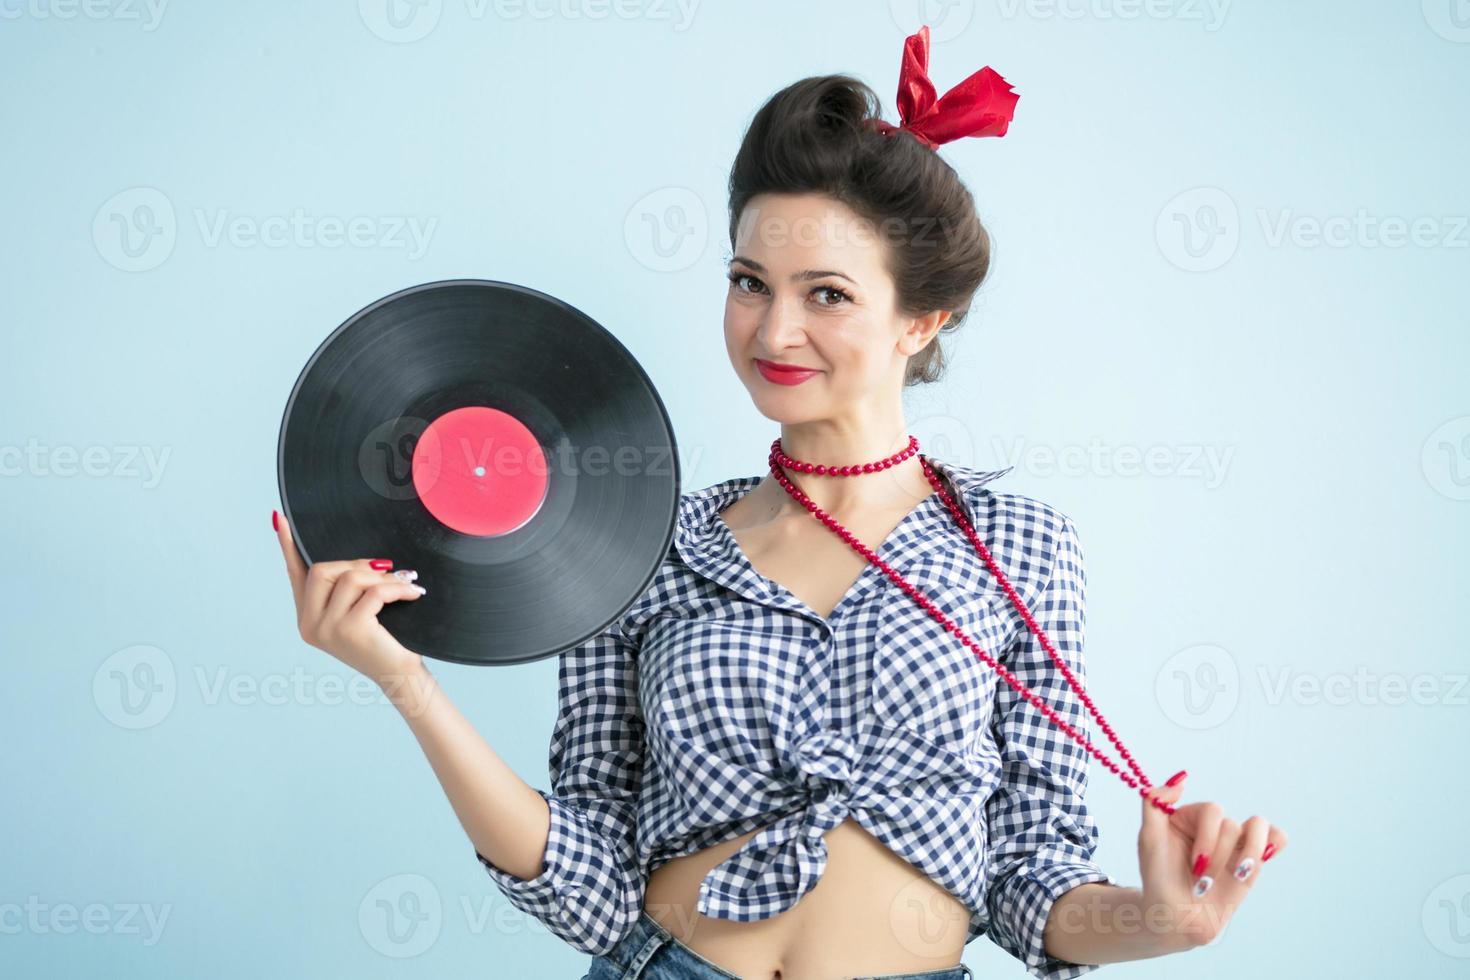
(802, 276)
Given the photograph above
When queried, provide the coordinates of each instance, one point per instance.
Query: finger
(1155, 827)
(320, 579)
(1275, 840)
(1200, 822)
(1219, 862)
(295, 564)
(347, 589)
(374, 597)
(1245, 857)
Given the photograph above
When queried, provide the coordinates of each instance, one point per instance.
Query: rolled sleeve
(590, 888)
(1040, 836)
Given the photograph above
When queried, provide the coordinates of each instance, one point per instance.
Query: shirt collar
(708, 549)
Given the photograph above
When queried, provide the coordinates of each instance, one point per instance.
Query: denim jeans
(651, 952)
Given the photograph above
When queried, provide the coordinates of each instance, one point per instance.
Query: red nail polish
(275, 521)
(1176, 777)
(1200, 863)
(1266, 854)
(380, 564)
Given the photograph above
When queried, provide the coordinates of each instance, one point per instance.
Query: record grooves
(499, 441)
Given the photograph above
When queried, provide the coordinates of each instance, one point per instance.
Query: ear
(921, 330)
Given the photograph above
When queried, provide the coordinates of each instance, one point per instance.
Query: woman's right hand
(337, 605)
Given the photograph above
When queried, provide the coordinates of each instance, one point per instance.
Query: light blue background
(1325, 548)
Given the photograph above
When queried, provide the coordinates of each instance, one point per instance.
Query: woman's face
(809, 288)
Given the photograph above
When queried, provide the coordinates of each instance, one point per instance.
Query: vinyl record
(497, 440)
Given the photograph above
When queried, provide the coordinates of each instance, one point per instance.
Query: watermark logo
(1450, 19)
(1199, 229)
(401, 916)
(135, 230)
(1446, 917)
(400, 21)
(666, 230)
(135, 687)
(947, 19)
(1198, 687)
(1445, 458)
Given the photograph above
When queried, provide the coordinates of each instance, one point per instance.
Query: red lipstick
(783, 374)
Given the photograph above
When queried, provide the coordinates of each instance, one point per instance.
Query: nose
(781, 325)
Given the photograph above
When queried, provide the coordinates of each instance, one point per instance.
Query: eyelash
(735, 277)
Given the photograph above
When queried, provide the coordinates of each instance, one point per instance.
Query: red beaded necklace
(779, 459)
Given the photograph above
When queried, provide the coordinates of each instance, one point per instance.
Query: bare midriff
(872, 912)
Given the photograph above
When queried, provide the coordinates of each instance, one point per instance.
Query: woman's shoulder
(1026, 535)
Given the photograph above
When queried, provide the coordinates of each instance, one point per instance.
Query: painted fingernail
(1200, 863)
(407, 574)
(275, 521)
(1244, 868)
(1266, 854)
(1203, 885)
(422, 590)
(380, 564)
(1176, 777)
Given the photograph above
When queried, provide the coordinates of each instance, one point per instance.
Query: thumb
(1155, 821)
(295, 564)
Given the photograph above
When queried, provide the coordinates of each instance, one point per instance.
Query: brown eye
(736, 278)
(830, 291)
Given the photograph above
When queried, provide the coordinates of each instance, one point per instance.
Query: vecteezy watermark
(39, 918)
(136, 230)
(666, 230)
(392, 451)
(947, 19)
(1198, 687)
(148, 14)
(1210, 13)
(406, 21)
(401, 916)
(836, 230)
(404, 915)
(138, 687)
(1207, 464)
(102, 462)
(1363, 230)
(135, 687)
(1450, 19)
(1363, 686)
(1199, 230)
(1445, 916)
(1445, 458)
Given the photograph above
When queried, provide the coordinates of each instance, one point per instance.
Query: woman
(775, 764)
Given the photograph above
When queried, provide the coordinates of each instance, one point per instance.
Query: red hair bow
(981, 105)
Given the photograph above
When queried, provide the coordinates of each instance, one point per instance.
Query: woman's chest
(742, 678)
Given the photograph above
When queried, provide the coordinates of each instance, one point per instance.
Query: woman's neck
(898, 488)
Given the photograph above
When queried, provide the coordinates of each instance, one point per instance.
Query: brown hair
(818, 135)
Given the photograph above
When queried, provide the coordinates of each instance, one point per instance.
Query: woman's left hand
(1192, 862)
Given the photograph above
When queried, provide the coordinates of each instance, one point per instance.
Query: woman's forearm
(505, 818)
(1102, 923)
